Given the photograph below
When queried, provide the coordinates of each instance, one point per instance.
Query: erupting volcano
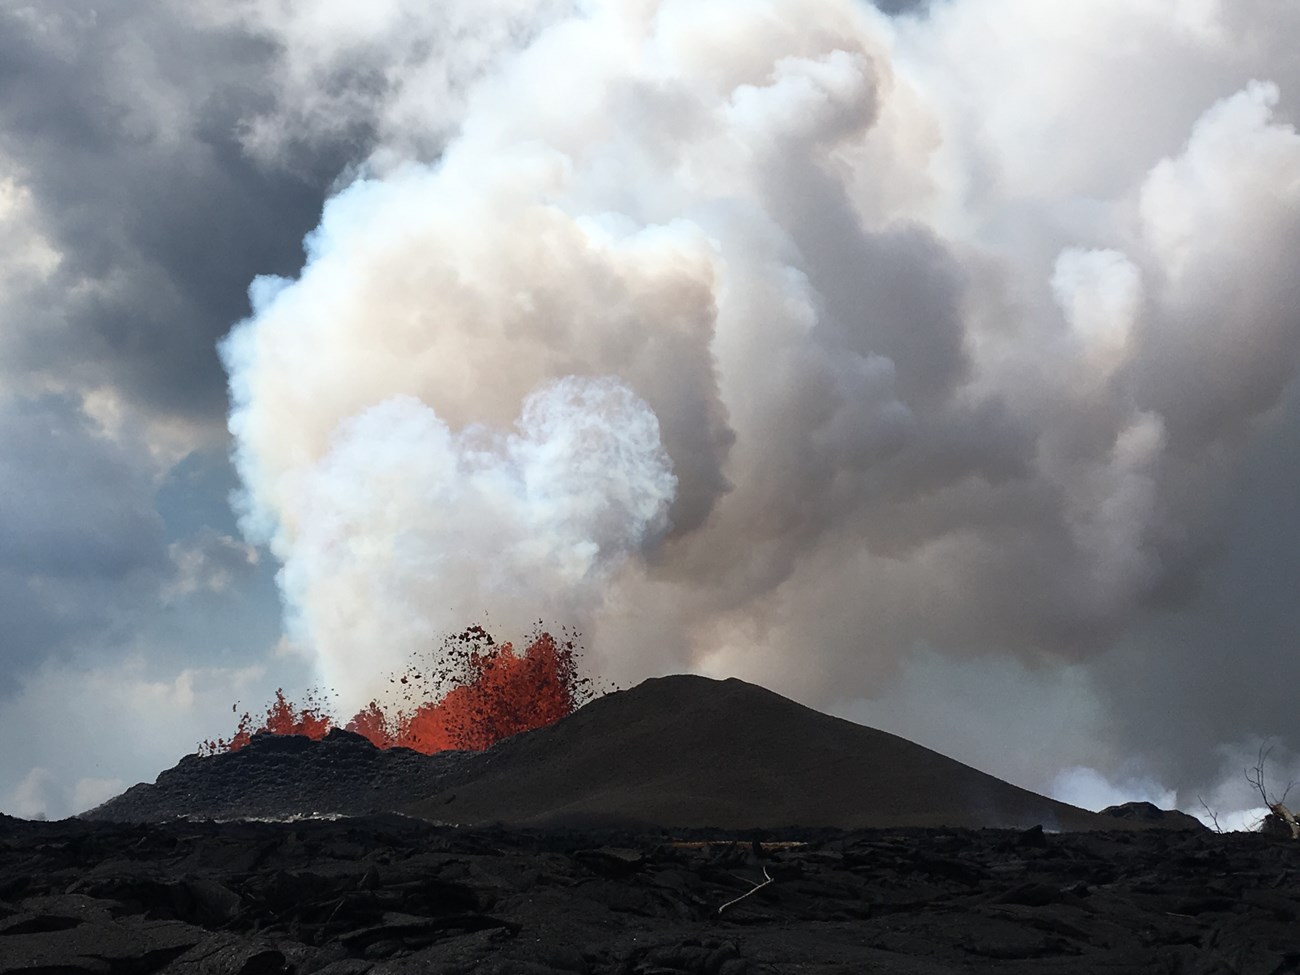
(480, 692)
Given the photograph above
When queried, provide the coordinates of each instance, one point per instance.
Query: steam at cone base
(478, 693)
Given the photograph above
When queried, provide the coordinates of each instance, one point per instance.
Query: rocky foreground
(394, 895)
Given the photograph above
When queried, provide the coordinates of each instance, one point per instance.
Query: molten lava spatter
(481, 693)
(503, 694)
(282, 718)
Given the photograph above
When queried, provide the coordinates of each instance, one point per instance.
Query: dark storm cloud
(122, 121)
(135, 223)
(80, 542)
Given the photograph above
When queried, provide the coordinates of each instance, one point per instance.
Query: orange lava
(282, 718)
(494, 692)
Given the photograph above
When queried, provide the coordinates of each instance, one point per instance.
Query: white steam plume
(403, 526)
(951, 325)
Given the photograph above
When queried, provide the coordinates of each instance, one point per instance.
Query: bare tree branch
(1255, 776)
(1214, 816)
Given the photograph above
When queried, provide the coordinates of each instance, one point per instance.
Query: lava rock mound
(287, 776)
(688, 751)
(673, 752)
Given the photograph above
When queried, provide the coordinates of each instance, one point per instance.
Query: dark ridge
(673, 752)
(1152, 815)
(278, 776)
(688, 751)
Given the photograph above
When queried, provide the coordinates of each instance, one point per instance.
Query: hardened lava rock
(392, 895)
(287, 776)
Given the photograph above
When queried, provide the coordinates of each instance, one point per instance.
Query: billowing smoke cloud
(393, 73)
(952, 330)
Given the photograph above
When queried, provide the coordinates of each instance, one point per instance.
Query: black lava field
(685, 827)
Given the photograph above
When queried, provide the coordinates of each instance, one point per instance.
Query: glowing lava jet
(494, 692)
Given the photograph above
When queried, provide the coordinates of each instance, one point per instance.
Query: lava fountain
(481, 692)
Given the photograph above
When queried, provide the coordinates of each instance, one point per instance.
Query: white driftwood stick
(757, 887)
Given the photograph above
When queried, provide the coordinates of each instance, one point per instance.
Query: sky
(932, 363)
